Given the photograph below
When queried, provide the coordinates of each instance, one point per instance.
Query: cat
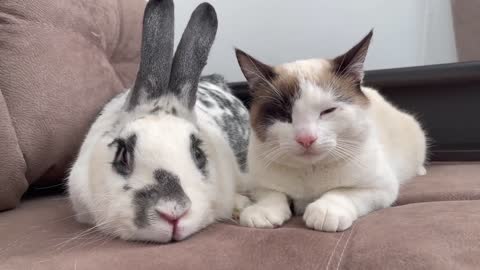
(319, 138)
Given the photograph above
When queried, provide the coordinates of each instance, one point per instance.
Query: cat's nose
(306, 140)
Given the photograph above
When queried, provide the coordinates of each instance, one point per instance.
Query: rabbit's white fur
(157, 164)
(97, 192)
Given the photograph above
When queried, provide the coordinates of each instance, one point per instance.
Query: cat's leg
(270, 210)
(337, 209)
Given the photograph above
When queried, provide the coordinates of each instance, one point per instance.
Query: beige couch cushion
(60, 61)
(438, 233)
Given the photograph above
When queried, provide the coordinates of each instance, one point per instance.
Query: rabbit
(164, 158)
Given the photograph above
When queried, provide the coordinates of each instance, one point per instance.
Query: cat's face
(308, 111)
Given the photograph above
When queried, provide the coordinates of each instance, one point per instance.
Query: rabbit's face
(155, 185)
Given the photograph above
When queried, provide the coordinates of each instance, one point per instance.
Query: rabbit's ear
(156, 53)
(192, 53)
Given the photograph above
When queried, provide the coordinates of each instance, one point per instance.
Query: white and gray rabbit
(163, 159)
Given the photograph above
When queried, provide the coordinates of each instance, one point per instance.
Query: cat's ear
(254, 70)
(351, 63)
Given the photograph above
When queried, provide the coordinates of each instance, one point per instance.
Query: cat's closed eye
(327, 111)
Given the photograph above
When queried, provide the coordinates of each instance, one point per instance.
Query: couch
(60, 61)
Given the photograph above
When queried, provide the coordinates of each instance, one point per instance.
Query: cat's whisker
(269, 157)
(348, 142)
(341, 156)
(278, 155)
(352, 149)
(274, 155)
(350, 155)
(267, 149)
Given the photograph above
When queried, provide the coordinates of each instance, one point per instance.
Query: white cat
(337, 149)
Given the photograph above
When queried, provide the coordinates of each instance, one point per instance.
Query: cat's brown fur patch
(346, 87)
(273, 99)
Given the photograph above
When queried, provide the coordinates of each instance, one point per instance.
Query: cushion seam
(437, 201)
(14, 128)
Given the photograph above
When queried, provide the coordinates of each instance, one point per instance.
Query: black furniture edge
(445, 98)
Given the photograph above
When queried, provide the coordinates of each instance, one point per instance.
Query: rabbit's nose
(172, 217)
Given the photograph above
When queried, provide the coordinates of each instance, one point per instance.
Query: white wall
(439, 44)
(407, 32)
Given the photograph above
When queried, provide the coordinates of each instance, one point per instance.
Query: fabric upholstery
(433, 226)
(60, 61)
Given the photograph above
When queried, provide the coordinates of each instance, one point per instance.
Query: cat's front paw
(258, 216)
(328, 216)
(241, 202)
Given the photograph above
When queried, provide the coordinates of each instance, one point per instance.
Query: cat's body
(388, 141)
(337, 149)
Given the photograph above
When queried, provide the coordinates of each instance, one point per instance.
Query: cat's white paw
(328, 216)
(241, 202)
(259, 216)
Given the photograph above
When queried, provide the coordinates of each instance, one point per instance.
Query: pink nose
(171, 218)
(306, 140)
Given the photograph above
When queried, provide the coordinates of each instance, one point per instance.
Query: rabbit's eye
(123, 161)
(198, 155)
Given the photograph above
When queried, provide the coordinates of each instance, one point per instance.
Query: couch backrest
(60, 62)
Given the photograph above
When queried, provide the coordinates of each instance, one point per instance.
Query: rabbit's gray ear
(192, 53)
(156, 53)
